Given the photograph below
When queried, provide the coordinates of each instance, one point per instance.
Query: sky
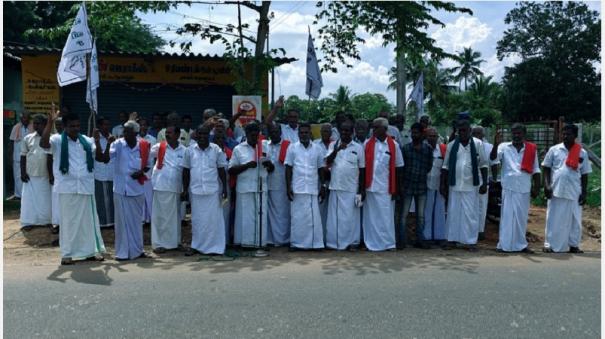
(288, 30)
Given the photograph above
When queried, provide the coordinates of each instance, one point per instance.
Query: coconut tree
(469, 62)
(342, 98)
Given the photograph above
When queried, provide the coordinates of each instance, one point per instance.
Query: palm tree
(469, 61)
(342, 98)
(438, 83)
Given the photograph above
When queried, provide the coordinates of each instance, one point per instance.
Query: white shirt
(346, 165)
(78, 180)
(118, 131)
(464, 167)
(104, 171)
(184, 137)
(566, 182)
(247, 181)
(276, 180)
(170, 177)
(17, 136)
(305, 162)
(127, 161)
(289, 133)
(512, 177)
(150, 139)
(382, 157)
(204, 165)
(488, 149)
(434, 176)
(35, 155)
(405, 137)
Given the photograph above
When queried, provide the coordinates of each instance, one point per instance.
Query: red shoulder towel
(161, 154)
(283, 149)
(228, 152)
(144, 148)
(573, 157)
(442, 149)
(370, 163)
(529, 157)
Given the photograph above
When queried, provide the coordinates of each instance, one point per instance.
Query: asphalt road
(325, 295)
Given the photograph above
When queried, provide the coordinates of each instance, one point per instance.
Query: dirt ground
(36, 246)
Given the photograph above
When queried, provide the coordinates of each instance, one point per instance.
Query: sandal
(67, 261)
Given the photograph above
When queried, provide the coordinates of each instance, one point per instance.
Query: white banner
(417, 95)
(72, 67)
(314, 81)
(93, 80)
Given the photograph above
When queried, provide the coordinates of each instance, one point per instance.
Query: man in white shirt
(566, 167)
(279, 205)
(434, 211)
(465, 161)
(37, 196)
(289, 131)
(56, 210)
(518, 171)
(167, 182)
(174, 119)
(384, 163)
(148, 186)
(204, 177)
(324, 144)
(479, 133)
(80, 235)
(251, 190)
(347, 161)
(131, 161)
(144, 133)
(104, 170)
(304, 171)
(19, 131)
(118, 130)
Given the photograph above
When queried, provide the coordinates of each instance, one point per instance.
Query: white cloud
(495, 68)
(464, 32)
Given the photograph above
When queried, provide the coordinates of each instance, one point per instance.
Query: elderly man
(289, 131)
(37, 196)
(434, 211)
(167, 182)
(384, 163)
(251, 199)
(279, 205)
(479, 133)
(19, 131)
(204, 176)
(347, 159)
(104, 170)
(566, 167)
(464, 162)
(304, 172)
(418, 159)
(324, 144)
(519, 160)
(131, 161)
(73, 163)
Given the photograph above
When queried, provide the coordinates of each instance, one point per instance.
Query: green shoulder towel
(454, 158)
(64, 161)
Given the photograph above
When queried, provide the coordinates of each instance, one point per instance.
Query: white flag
(72, 67)
(314, 82)
(93, 80)
(417, 95)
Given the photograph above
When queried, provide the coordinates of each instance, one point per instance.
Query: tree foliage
(469, 62)
(559, 43)
(115, 25)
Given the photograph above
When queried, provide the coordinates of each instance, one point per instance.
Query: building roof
(23, 49)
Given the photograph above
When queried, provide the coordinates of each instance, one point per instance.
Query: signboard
(249, 108)
(40, 87)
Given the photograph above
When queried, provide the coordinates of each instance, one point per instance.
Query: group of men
(340, 191)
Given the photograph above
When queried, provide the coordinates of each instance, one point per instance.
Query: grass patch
(594, 191)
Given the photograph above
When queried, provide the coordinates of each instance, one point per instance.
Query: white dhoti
(343, 224)
(251, 219)
(483, 200)
(166, 220)
(463, 214)
(104, 201)
(148, 188)
(207, 224)
(323, 212)
(36, 202)
(17, 177)
(378, 221)
(306, 231)
(434, 216)
(279, 217)
(563, 224)
(56, 208)
(129, 225)
(227, 215)
(80, 234)
(513, 221)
